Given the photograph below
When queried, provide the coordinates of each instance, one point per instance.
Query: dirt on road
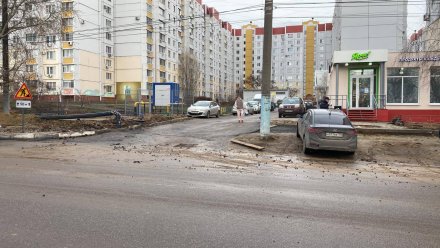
(10, 123)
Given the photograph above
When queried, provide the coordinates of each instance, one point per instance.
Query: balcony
(67, 44)
(67, 61)
(68, 76)
(162, 68)
(150, 14)
(68, 29)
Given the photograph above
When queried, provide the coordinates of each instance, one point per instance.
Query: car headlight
(281, 106)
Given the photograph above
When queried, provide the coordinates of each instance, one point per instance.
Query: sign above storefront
(418, 59)
(356, 56)
(360, 56)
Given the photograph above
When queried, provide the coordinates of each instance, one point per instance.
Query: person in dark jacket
(324, 103)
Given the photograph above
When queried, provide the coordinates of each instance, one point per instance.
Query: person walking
(240, 109)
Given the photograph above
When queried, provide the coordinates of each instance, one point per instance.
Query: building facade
(378, 85)
(297, 53)
(111, 49)
(370, 25)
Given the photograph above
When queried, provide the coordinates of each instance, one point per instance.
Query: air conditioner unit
(137, 18)
(49, 44)
(49, 75)
(82, 21)
(43, 53)
(109, 55)
(107, 67)
(70, 43)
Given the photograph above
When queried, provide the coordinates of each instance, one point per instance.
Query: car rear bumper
(349, 145)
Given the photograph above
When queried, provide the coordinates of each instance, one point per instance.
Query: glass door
(362, 91)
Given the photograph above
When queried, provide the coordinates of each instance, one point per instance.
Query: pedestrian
(324, 103)
(240, 108)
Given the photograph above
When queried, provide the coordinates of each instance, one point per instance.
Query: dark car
(291, 106)
(326, 129)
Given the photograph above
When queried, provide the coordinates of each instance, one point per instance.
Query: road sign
(23, 104)
(23, 93)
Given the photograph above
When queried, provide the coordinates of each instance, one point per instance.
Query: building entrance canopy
(360, 56)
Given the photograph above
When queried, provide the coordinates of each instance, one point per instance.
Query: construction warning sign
(23, 93)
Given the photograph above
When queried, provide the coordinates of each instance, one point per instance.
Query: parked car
(309, 104)
(248, 110)
(204, 109)
(256, 106)
(291, 106)
(326, 129)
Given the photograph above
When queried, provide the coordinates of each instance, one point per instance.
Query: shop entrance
(362, 88)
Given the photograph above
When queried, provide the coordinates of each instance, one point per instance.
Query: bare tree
(189, 72)
(27, 22)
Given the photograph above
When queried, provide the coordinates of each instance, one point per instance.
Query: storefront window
(435, 85)
(403, 85)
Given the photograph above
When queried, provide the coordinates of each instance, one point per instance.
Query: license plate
(288, 110)
(339, 135)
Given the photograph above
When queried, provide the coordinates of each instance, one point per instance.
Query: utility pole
(267, 70)
(5, 54)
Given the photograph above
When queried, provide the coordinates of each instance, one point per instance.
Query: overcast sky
(321, 12)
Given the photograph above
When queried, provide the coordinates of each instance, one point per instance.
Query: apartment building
(79, 61)
(297, 52)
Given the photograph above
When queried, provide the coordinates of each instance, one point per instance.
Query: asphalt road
(87, 193)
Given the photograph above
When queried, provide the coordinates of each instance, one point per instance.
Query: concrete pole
(267, 70)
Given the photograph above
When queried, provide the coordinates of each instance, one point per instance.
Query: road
(159, 187)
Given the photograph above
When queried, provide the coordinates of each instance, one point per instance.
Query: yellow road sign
(23, 93)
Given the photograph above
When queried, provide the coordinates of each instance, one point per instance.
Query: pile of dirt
(10, 123)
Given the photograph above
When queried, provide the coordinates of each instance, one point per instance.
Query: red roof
(199, 1)
(236, 32)
(259, 31)
(329, 26)
(278, 31)
(294, 29)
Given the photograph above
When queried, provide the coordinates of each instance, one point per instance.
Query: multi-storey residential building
(297, 52)
(370, 25)
(80, 62)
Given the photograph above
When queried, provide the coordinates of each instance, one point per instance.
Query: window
(403, 85)
(67, 53)
(108, 76)
(30, 68)
(108, 50)
(162, 62)
(67, 37)
(50, 70)
(67, 6)
(68, 68)
(50, 39)
(107, 89)
(108, 23)
(68, 84)
(108, 36)
(435, 85)
(51, 86)
(108, 62)
(50, 55)
(31, 37)
(28, 6)
(107, 9)
(67, 21)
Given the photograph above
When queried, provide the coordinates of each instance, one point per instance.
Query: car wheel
(216, 116)
(297, 131)
(280, 115)
(208, 115)
(350, 153)
(305, 149)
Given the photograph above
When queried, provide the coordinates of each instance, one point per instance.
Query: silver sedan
(326, 129)
(204, 109)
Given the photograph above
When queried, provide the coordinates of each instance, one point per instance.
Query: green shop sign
(360, 56)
